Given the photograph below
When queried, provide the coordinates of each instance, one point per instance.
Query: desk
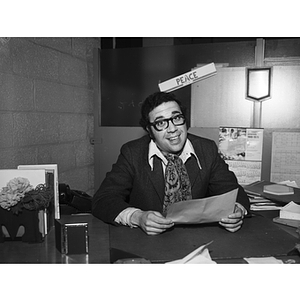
(259, 236)
(46, 252)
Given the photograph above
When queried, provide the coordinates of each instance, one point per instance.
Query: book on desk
(258, 189)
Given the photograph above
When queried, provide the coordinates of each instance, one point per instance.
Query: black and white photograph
(149, 149)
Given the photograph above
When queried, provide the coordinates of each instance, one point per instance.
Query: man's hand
(151, 222)
(234, 221)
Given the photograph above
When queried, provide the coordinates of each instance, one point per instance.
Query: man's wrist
(125, 216)
(244, 210)
(135, 218)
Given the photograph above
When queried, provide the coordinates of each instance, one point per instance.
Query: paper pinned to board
(206, 210)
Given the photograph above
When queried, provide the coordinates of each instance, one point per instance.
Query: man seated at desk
(165, 166)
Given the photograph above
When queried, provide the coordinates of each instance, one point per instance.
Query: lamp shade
(258, 84)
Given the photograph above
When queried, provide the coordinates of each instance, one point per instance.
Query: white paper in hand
(206, 210)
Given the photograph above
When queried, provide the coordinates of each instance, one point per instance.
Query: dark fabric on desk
(258, 237)
(131, 183)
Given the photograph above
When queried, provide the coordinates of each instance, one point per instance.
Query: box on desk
(71, 238)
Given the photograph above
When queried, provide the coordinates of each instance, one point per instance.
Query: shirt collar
(187, 152)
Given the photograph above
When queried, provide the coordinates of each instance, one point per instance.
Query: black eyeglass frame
(154, 124)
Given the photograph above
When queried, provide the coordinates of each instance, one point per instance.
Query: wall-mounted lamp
(258, 83)
(258, 89)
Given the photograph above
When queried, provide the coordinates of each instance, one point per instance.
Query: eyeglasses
(163, 124)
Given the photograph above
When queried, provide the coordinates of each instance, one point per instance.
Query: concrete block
(16, 93)
(83, 101)
(84, 153)
(35, 61)
(57, 97)
(63, 44)
(72, 127)
(35, 129)
(92, 43)
(53, 97)
(77, 179)
(79, 47)
(83, 47)
(61, 154)
(73, 71)
(10, 158)
(6, 125)
(90, 132)
(90, 75)
(5, 56)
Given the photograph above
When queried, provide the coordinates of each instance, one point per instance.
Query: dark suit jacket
(131, 183)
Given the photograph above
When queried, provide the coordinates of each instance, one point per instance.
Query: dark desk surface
(46, 252)
(258, 237)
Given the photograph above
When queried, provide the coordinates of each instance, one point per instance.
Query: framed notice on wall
(241, 148)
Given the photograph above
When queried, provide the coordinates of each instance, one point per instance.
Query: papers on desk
(261, 199)
(198, 256)
(263, 260)
(260, 203)
(206, 210)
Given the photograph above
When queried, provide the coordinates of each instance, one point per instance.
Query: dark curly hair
(155, 100)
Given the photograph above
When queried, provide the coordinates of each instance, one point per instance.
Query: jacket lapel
(157, 178)
(192, 169)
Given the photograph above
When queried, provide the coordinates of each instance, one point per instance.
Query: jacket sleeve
(113, 194)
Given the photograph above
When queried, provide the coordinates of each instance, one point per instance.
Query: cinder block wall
(46, 106)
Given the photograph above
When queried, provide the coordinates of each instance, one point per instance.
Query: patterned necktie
(177, 182)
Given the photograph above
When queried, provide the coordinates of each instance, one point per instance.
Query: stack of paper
(261, 203)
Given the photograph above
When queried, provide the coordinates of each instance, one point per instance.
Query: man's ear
(148, 129)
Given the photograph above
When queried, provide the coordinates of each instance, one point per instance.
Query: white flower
(14, 192)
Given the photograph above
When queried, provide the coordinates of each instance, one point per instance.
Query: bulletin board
(213, 134)
(241, 148)
(285, 162)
